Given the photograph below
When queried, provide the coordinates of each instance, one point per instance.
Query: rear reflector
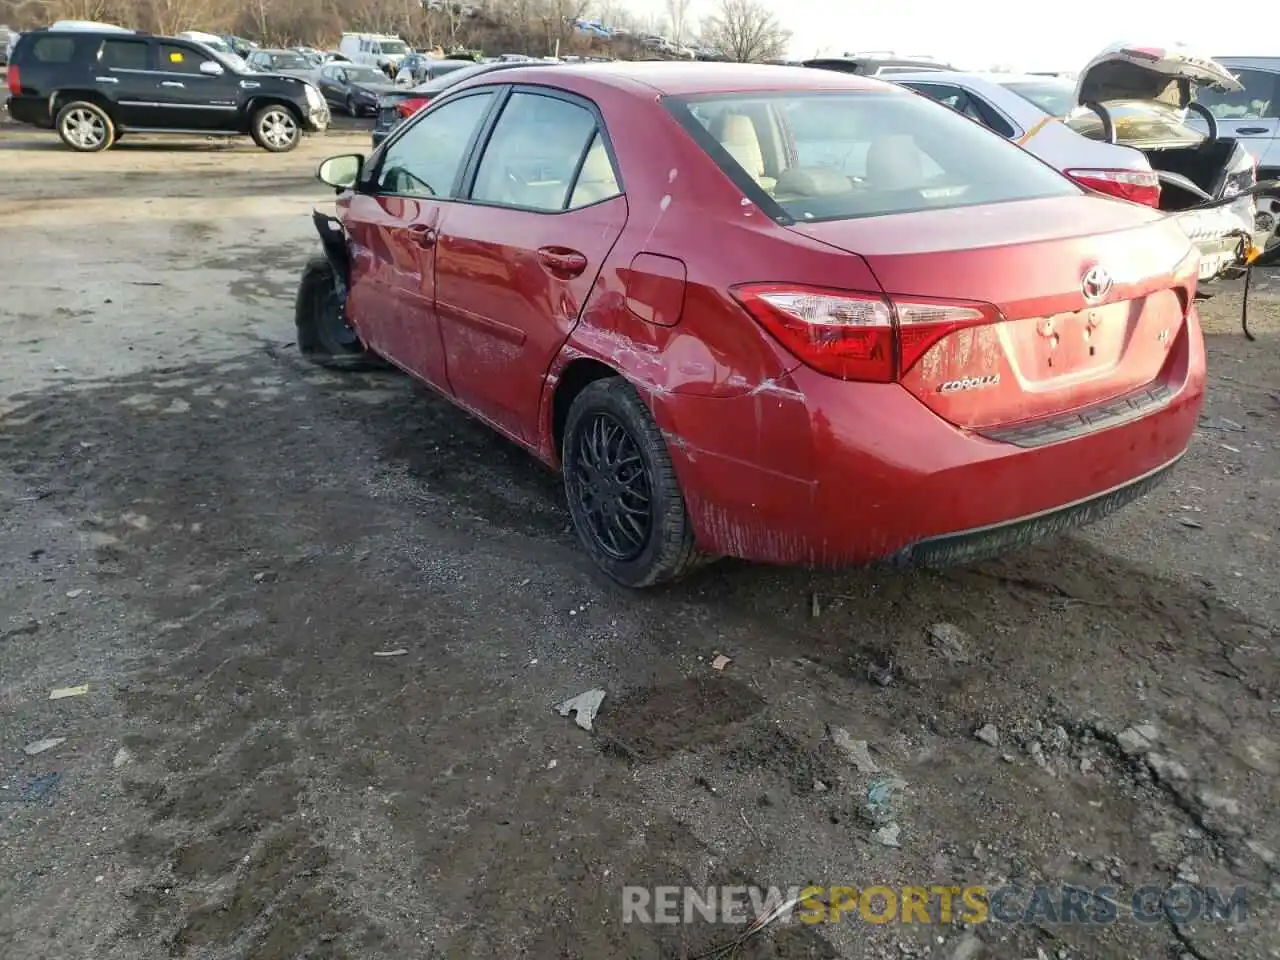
(1136, 186)
(15, 85)
(856, 336)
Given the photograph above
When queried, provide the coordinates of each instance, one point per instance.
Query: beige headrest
(737, 134)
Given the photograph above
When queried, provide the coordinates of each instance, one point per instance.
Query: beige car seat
(596, 181)
(737, 134)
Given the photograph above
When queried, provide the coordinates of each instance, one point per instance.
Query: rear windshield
(1138, 122)
(1055, 98)
(290, 61)
(836, 156)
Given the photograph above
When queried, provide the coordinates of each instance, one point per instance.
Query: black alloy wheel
(612, 487)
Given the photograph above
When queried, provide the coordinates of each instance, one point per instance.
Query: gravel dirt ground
(218, 541)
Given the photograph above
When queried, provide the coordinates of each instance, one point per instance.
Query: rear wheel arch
(577, 375)
(61, 98)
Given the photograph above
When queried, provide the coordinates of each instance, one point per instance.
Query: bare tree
(676, 10)
(746, 31)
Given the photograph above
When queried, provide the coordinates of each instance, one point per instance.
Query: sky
(983, 33)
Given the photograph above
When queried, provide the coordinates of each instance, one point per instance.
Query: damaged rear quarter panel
(719, 387)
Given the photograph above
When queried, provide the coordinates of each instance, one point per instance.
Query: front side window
(536, 148)
(176, 59)
(834, 156)
(1257, 101)
(427, 159)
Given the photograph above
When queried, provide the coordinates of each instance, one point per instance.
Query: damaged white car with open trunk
(1130, 128)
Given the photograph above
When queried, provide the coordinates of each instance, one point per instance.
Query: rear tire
(624, 498)
(275, 128)
(85, 127)
(324, 337)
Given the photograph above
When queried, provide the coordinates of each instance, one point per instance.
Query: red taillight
(15, 85)
(1136, 186)
(408, 108)
(856, 336)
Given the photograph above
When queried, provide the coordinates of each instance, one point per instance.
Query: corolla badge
(1097, 283)
(970, 383)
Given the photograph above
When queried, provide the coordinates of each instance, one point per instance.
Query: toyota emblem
(1096, 285)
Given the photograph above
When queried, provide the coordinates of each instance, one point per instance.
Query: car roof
(940, 76)
(688, 78)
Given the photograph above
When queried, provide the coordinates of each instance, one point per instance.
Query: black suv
(93, 86)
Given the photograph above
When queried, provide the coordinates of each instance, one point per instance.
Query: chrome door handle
(106, 80)
(171, 83)
(250, 84)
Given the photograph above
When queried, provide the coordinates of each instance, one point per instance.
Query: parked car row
(857, 326)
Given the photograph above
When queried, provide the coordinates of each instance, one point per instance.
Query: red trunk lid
(1049, 350)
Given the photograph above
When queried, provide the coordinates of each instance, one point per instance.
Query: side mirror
(341, 172)
(211, 68)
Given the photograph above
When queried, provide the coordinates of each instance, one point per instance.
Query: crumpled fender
(333, 241)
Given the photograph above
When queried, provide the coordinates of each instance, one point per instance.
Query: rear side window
(53, 49)
(962, 101)
(124, 54)
(1053, 97)
(534, 153)
(835, 156)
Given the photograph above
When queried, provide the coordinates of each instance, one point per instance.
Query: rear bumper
(1219, 236)
(966, 546)
(816, 471)
(32, 110)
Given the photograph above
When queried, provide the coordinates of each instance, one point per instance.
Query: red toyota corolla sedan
(780, 314)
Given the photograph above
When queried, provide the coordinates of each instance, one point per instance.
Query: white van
(212, 41)
(373, 49)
